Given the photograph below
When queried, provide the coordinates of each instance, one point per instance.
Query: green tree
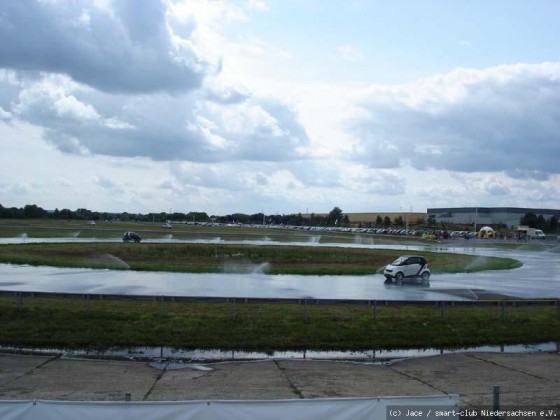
(32, 211)
(541, 222)
(553, 224)
(334, 217)
(529, 219)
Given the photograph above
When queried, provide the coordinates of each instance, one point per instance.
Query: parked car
(91, 223)
(131, 236)
(166, 226)
(408, 266)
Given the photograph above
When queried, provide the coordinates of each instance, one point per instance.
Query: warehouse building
(491, 216)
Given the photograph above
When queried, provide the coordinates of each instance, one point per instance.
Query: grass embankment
(265, 327)
(208, 258)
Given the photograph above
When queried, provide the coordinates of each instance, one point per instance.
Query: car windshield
(399, 261)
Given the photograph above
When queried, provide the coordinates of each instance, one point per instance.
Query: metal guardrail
(302, 300)
(374, 304)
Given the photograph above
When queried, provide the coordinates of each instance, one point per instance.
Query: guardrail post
(496, 398)
(162, 306)
(20, 303)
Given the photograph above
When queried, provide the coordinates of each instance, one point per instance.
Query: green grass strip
(96, 324)
(219, 258)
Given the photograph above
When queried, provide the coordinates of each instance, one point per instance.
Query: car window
(399, 261)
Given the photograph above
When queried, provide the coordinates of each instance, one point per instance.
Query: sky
(279, 106)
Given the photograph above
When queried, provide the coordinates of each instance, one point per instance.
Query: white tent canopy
(486, 232)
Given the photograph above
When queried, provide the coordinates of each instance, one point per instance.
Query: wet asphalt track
(539, 277)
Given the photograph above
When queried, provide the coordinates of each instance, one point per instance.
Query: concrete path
(525, 379)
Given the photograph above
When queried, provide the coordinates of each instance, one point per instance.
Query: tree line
(32, 211)
(334, 218)
(539, 222)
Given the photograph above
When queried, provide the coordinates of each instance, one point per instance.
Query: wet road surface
(539, 277)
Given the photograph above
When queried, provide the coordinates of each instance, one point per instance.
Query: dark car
(131, 236)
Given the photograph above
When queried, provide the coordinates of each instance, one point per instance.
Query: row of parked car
(424, 233)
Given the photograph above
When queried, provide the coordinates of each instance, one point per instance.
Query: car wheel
(425, 276)
(398, 277)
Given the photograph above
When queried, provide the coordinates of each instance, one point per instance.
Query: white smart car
(408, 266)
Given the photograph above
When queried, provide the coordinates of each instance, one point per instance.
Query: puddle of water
(178, 365)
(169, 356)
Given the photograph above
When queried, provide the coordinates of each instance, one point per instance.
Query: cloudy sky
(280, 106)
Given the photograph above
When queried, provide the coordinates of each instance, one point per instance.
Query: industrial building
(492, 216)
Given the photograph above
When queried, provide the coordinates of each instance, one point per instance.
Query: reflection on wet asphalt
(538, 277)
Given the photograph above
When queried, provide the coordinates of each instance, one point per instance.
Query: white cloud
(187, 104)
(70, 106)
(498, 119)
(257, 5)
(5, 115)
(349, 53)
(210, 122)
(131, 49)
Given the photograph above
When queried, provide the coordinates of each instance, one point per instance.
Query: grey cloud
(238, 177)
(57, 51)
(531, 174)
(159, 126)
(128, 50)
(5, 115)
(107, 184)
(281, 138)
(384, 184)
(502, 119)
(497, 188)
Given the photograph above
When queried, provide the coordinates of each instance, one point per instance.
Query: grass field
(258, 327)
(219, 257)
(265, 327)
(215, 258)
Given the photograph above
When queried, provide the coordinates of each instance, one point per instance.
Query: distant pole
(408, 218)
(475, 217)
